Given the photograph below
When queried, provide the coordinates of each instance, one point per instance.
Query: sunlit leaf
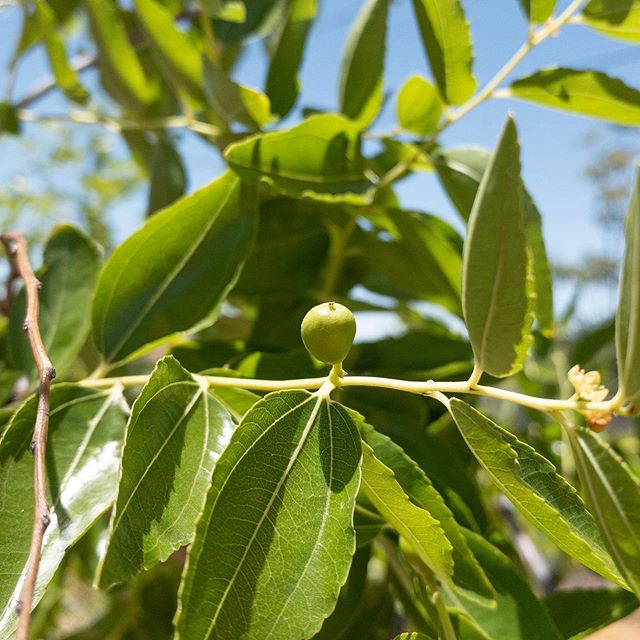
(83, 452)
(176, 432)
(446, 39)
(531, 482)
(495, 294)
(588, 93)
(538, 11)
(274, 543)
(419, 106)
(615, 18)
(173, 273)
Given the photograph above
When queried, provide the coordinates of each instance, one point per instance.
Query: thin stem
(475, 376)
(123, 124)
(16, 248)
(429, 388)
(534, 39)
(334, 265)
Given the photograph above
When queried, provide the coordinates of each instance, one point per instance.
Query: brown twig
(15, 246)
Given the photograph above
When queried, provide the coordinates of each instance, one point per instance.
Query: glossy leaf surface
(173, 273)
(628, 314)
(532, 484)
(446, 39)
(274, 543)
(494, 276)
(68, 275)
(86, 428)
(588, 93)
(319, 157)
(176, 432)
(612, 491)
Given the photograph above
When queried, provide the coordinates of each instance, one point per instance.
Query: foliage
(214, 480)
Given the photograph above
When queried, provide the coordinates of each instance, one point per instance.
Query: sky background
(554, 152)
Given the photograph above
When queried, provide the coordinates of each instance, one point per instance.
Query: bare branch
(15, 246)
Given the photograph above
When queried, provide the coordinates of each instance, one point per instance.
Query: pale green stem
(429, 388)
(475, 376)
(534, 39)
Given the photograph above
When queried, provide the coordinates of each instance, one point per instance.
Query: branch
(15, 246)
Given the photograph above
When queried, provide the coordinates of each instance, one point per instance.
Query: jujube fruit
(328, 331)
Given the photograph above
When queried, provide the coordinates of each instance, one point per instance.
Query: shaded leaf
(282, 85)
(68, 276)
(580, 612)
(421, 530)
(615, 18)
(228, 10)
(9, 122)
(66, 78)
(83, 451)
(612, 491)
(275, 540)
(362, 67)
(628, 314)
(532, 484)
(176, 432)
(516, 614)
(319, 158)
(446, 39)
(467, 573)
(121, 71)
(167, 178)
(588, 93)
(174, 272)
(419, 107)
(494, 273)
(234, 102)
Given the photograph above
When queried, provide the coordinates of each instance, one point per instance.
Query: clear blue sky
(554, 156)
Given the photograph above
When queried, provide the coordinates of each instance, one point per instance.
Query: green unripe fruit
(328, 331)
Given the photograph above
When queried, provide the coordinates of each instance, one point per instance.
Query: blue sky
(554, 155)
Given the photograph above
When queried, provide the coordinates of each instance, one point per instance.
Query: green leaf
(83, 452)
(319, 158)
(282, 85)
(580, 612)
(396, 152)
(628, 314)
(494, 272)
(68, 276)
(167, 178)
(9, 122)
(467, 573)
(460, 170)
(421, 530)
(234, 102)
(413, 636)
(419, 107)
(291, 247)
(588, 93)
(176, 431)
(423, 258)
(172, 274)
(177, 54)
(274, 543)
(228, 10)
(612, 491)
(516, 613)
(121, 70)
(531, 483)
(538, 11)
(446, 39)
(66, 78)
(362, 66)
(615, 18)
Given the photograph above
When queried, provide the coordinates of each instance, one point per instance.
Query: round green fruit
(328, 331)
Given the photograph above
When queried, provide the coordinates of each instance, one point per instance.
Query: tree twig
(15, 246)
